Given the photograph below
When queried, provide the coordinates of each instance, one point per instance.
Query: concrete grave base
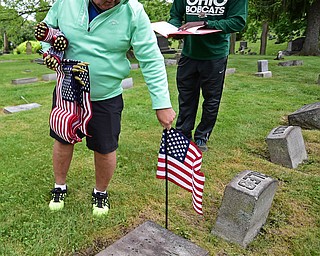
(23, 107)
(150, 239)
(245, 207)
(264, 74)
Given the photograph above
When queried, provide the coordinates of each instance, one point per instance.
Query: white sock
(96, 191)
(63, 187)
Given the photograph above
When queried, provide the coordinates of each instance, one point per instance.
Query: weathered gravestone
(245, 207)
(286, 146)
(263, 69)
(307, 117)
(150, 239)
(23, 107)
(127, 83)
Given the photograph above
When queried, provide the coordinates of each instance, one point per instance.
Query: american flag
(183, 165)
(72, 110)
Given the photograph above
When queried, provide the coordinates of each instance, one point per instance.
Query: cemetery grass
(251, 107)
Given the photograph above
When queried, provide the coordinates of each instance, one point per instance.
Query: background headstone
(127, 83)
(307, 117)
(263, 65)
(245, 207)
(243, 44)
(286, 146)
(150, 239)
(163, 44)
(230, 71)
(28, 48)
(263, 69)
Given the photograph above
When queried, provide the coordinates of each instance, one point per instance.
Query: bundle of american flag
(179, 161)
(72, 107)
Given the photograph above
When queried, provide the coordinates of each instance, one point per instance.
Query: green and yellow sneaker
(100, 204)
(57, 199)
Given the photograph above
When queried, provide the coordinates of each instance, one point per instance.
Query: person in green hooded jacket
(203, 60)
(100, 32)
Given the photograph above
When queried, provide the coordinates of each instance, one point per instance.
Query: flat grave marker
(127, 83)
(150, 239)
(27, 80)
(18, 108)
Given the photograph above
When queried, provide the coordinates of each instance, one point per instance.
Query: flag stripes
(182, 161)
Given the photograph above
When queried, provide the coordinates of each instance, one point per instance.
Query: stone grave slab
(134, 66)
(286, 146)
(291, 63)
(170, 62)
(245, 207)
(49, 77)
(23, 107)
(150, 239)
(27, 80)
(307, 117)
(230, 71)
(127, 83)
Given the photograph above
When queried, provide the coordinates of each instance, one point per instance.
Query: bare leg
(62, 156)
(105, 165)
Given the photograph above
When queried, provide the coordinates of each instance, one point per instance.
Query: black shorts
(104, 126)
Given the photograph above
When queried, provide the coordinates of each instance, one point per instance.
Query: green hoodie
(226, 15)
(104, 43)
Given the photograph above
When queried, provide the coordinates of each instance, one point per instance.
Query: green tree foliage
(157, 10)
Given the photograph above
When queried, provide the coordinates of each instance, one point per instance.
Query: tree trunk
(264, 38)
(311, 43)
(233, 37)
(5, 43)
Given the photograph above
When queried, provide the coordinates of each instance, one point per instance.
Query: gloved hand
(60, 42)
(41, 31)
(80, 71)
(50, 35)
(52, 58)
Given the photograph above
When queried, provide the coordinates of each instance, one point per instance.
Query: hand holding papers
(168, 30)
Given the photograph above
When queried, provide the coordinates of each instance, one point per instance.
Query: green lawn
(251, 107)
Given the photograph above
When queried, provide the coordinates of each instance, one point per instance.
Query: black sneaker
(202, 145)
(100, 204)
(57, 199)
